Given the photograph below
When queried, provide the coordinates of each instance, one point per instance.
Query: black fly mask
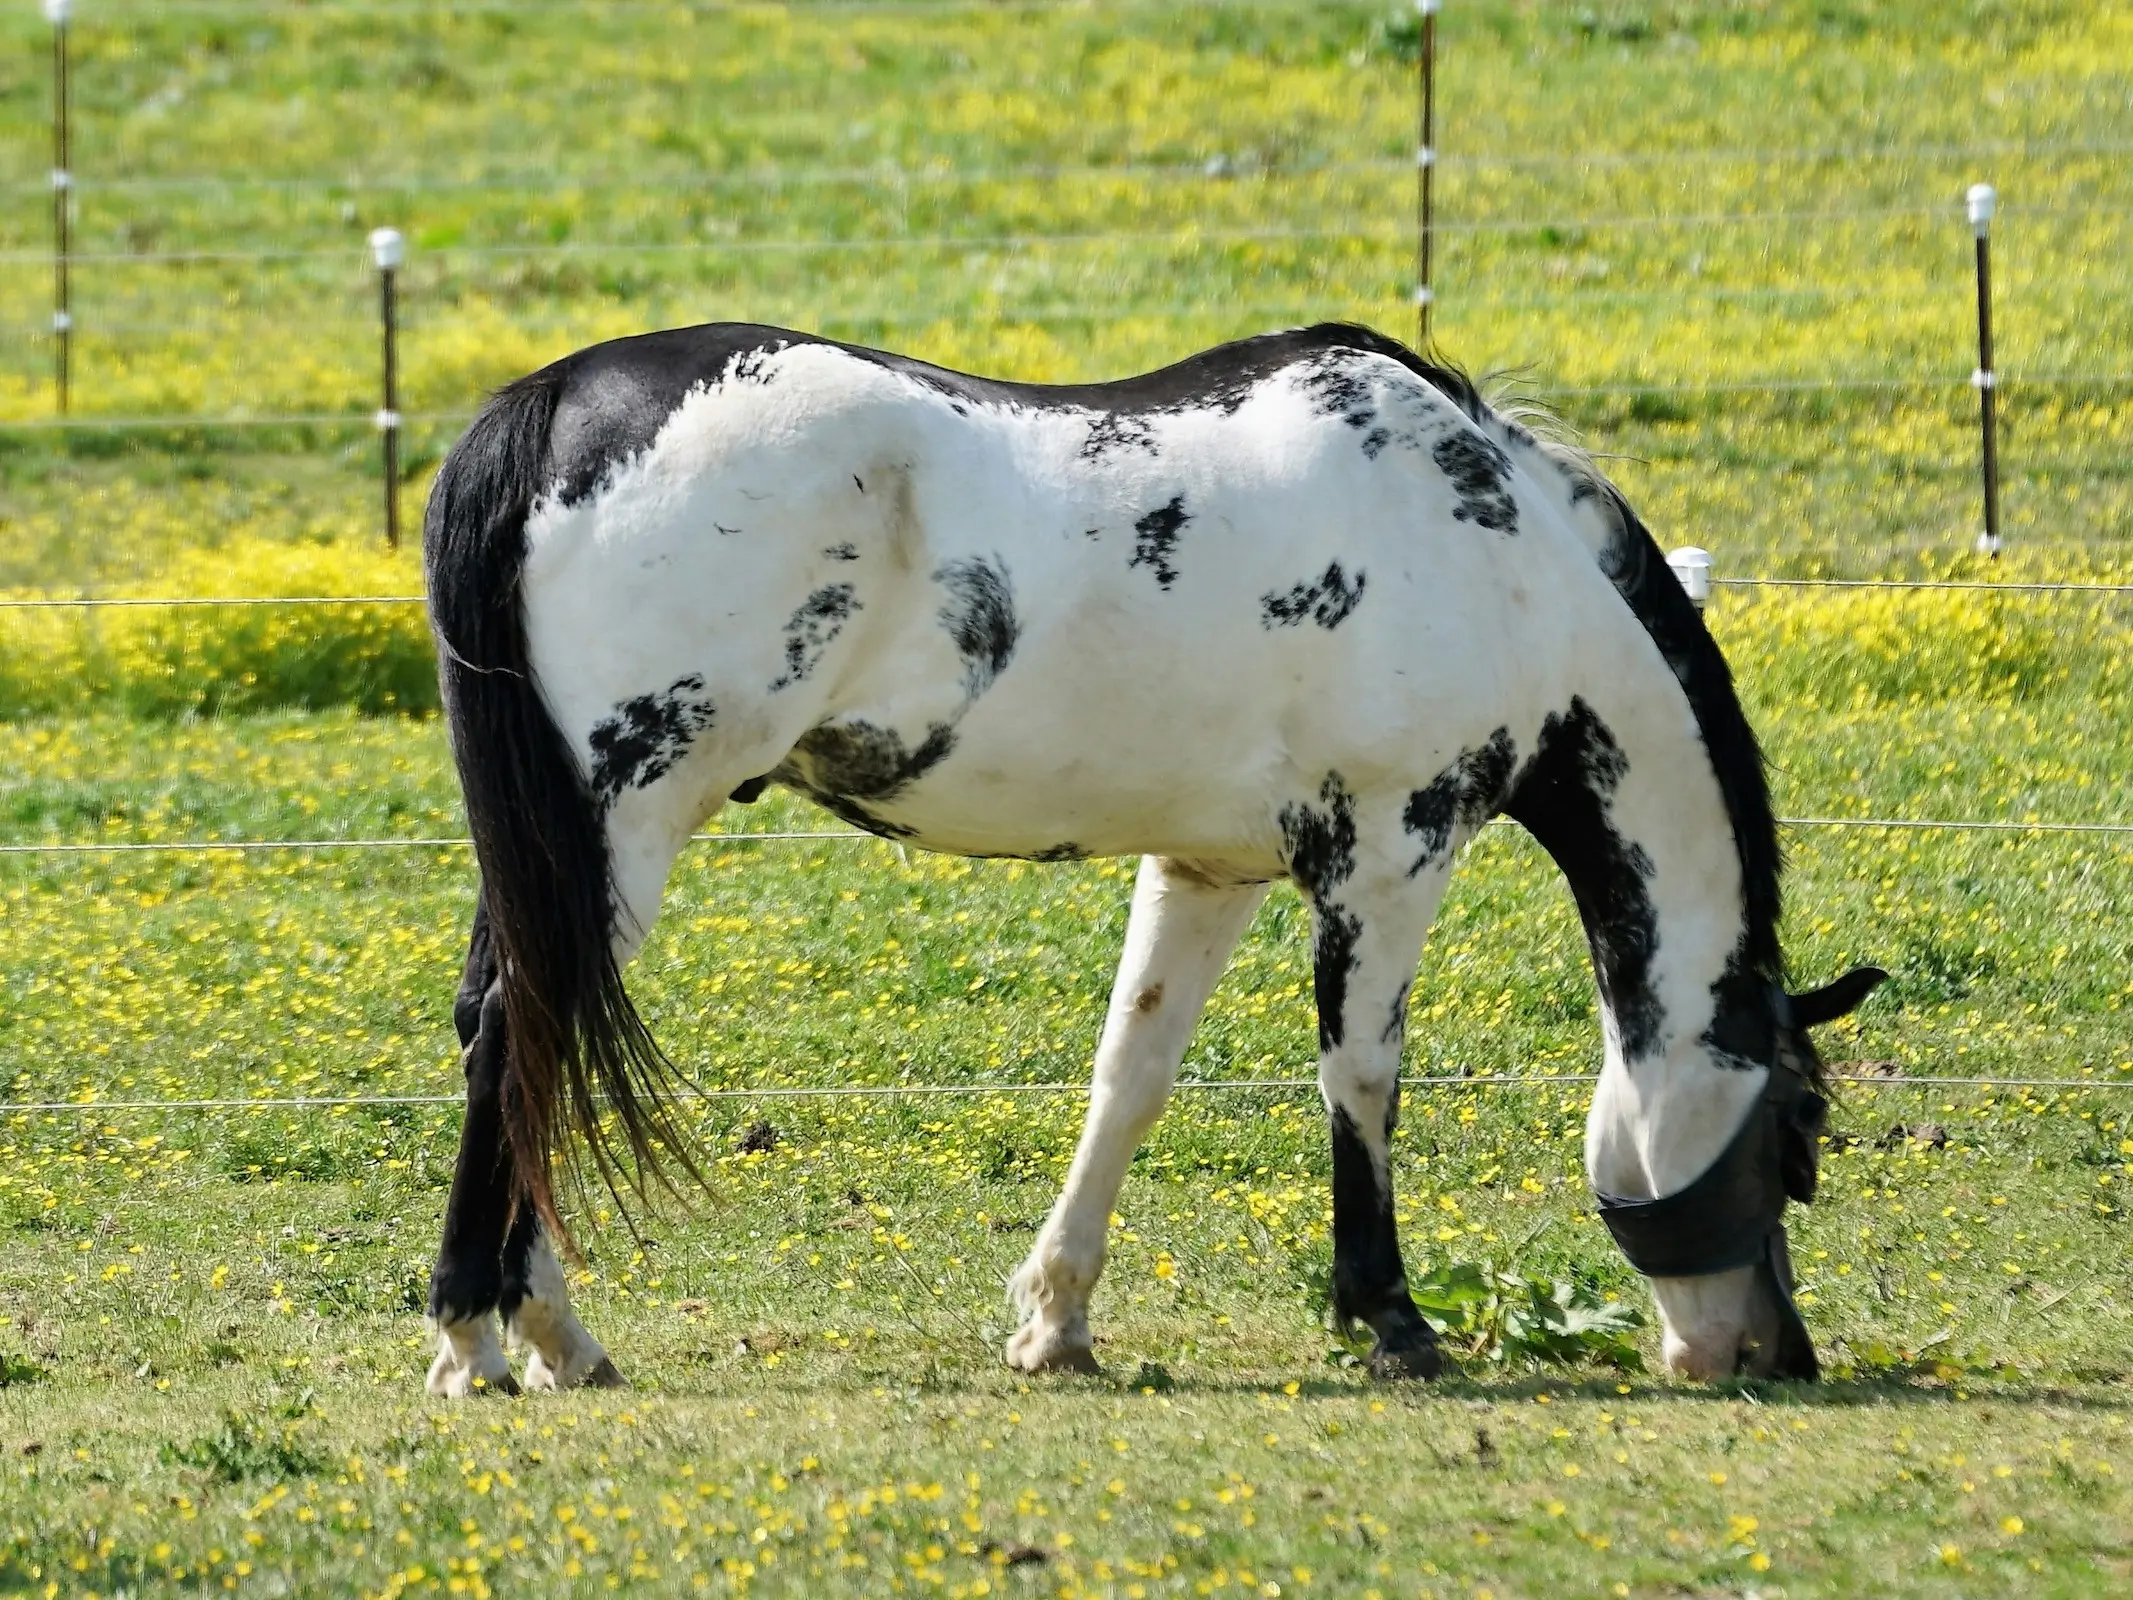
(1733, 1215)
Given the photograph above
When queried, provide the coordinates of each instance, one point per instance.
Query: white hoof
(1036, 1347)
(560, 1353)
(469, 1361)
(585, 1369)
(1053, 1298)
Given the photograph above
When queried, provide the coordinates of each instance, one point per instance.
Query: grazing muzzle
(1734, 1214)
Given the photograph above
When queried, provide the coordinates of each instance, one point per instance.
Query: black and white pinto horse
(1302, 606)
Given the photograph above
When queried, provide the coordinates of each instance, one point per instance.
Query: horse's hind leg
(537, 1314)
(644, 837)
(1177, 942)
(467, 1281)
(1367, 933)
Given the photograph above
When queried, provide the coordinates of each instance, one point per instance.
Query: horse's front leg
(467, 1281)
(1177, 941)
(1367, 932)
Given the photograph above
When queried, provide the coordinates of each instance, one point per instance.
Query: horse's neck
(1622, 793)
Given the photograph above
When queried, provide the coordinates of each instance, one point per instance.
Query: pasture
(211, 1352)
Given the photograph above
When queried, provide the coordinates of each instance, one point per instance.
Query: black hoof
(1415, 1359)
(1406, 1347)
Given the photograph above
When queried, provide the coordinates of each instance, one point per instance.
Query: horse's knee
(1364, 1087)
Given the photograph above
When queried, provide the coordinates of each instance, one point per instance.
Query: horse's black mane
(1642, 577)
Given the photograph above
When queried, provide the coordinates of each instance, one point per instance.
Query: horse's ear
(1838, 999)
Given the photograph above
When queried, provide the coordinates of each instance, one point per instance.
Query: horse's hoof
(450, 1381)
(1029, 1352)
(544, 1379)
(1394, 1363)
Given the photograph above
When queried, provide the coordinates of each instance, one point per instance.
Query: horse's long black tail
(580, 1058)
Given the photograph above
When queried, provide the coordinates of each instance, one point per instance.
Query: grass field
(210, 1340)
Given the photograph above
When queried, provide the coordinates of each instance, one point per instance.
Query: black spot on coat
(1467, 793)
(1156, 540)
(811, 629)
(980, 618)
(646, 737)
(846, 766)
(1326, 600)
(1318, 843)
(1480, 472)
(1336, 389)
(1396, 1020)
(1318, 846)
(1118, 430)
(841, 552)
(752, 365)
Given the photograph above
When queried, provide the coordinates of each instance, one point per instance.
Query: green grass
(210, 1347)
(721, 141)
(839, 1298)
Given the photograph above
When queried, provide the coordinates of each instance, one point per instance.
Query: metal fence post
(1425, 170)
(55, 12)
(1982, 198)
(389, 249)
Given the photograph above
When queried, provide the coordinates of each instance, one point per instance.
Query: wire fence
(1411, 1083)
(625, 182)
(849, 836)
(1217, 170)
(1127, 309)
(1036, 241)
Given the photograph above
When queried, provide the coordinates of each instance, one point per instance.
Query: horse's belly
(1103, 771)
(1064, 810)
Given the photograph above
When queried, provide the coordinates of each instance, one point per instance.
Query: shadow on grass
(2107, 1393)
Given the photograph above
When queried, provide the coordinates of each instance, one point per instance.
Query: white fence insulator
(1692, 566)
(1981, 200)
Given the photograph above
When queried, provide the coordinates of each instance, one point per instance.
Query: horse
(1304, 605)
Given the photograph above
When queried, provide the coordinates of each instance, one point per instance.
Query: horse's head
(1713, 1242)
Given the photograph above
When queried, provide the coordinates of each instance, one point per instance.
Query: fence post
(55, 12)
(1982, 198)
(1692, 566)
(389, 249)
(1425, 169)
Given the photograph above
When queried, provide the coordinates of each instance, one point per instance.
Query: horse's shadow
(2111, 1392)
